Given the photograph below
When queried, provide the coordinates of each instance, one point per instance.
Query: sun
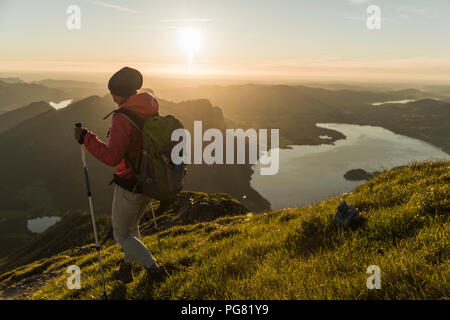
(190, 40)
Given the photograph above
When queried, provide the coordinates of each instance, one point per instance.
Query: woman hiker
(124, 146)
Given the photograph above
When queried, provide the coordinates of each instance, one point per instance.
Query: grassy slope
(293, 253)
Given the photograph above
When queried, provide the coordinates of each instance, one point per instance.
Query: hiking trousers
(127, 210)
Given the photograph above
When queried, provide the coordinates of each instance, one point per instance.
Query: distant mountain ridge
(12, 80)
(427, 120)
(296, 109)
(14, 117)
(75, 89)
(18, 94)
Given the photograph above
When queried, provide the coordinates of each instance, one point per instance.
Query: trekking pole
(156, 226)
(88, 187)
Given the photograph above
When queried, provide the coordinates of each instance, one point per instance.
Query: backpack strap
(136, 121)
(131, 116)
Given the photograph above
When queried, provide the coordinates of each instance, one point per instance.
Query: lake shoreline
(311, 173)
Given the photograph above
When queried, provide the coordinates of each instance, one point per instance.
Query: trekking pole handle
(78, 124)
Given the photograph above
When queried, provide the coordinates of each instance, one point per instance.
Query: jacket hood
(143, 104)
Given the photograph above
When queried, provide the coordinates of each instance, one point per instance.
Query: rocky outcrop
(358, 175)
(192, 207)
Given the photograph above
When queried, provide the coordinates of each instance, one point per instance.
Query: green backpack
(155, 172)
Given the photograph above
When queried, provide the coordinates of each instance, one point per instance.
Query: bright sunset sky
(284, 39)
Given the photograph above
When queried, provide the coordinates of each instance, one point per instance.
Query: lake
(310, 174)
(405, 101)
(60, 105)
(41, 224)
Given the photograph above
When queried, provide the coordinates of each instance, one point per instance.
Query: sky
(279, 40)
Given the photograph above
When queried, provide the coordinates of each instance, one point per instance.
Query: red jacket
(123, 136)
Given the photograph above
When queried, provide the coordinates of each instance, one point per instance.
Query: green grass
(293, 253)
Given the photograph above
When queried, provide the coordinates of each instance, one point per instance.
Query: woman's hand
(79, 133)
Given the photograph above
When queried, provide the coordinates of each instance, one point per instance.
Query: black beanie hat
(125, 82)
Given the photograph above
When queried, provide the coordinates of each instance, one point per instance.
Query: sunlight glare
(190, 42)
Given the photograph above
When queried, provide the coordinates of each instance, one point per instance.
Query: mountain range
(15, 94)
(14, 117)
(41, 165)
(296, 109)
(75, 89)
(41, 170)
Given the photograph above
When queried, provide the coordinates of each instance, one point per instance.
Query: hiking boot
(124, 273)
(156, 274)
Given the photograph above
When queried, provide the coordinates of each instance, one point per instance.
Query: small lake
(310, 174)
(41, 224)
(61, 104)
(405, 101)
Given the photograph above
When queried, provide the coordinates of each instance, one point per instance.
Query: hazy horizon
(155, 82)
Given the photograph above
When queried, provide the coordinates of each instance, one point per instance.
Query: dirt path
(26, 287)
